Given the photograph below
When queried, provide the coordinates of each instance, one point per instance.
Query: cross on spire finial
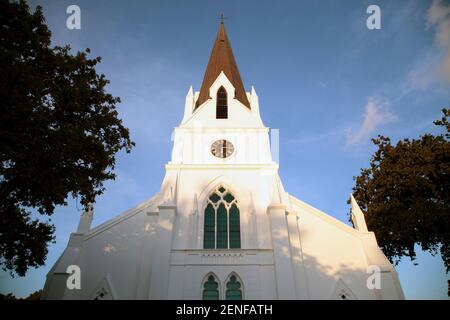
(221, 17)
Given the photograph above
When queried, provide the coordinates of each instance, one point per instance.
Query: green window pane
(229, 197)
(234, 291)
(235, 227)
(221, 189)
(211, 289)
(214, 198)
(222, 237)
(209, 225)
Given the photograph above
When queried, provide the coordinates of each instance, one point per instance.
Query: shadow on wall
(341, 282)
(316, 279)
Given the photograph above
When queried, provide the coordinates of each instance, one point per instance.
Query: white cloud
(438, 17)
(437, 12)
(443, 32)
(444, 68)
(423, 75)
(376, 114)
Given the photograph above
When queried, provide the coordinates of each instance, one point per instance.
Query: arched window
(233, 289)
(222, 229)
(235, 227)
(210, 289)
(221, 104)
(210, 227)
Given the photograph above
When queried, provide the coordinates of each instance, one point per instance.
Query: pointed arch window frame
(232, 230)
(206, 280)
(228, 280)
(221, 103)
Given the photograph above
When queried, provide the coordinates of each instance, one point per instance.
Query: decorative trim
(221, 130)
(167, 206)
(241, 257)
(228, 166)
(276, 206)
(222, 254)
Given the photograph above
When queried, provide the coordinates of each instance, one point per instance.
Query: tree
(406, 194)
(33, 296)
(59, 132)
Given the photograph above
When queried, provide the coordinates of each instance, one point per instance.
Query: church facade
(222, 226)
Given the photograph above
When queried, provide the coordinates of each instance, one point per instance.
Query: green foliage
(406, 194)
(7, 297)
(34, 296)
(59, 133)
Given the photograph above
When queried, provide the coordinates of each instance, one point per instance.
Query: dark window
(235, 228)
(209, 241)
(234, 291)
(222, 228)
(222, 232)
(222, 106)
(211, 289)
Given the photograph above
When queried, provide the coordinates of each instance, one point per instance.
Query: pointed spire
(222, 59)
(357, 216)
(86, 219)
(255, 103)
(188, 105)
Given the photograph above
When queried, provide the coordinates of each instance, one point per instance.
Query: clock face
(222, 148)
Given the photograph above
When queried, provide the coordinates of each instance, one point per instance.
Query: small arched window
(233, 289)
(210, 289)
(222, 229)
(221, 104)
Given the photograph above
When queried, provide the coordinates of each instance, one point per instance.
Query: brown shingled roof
(222, 59)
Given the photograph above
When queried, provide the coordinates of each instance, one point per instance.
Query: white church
(222, 227)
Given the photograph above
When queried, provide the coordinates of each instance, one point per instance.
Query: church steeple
(222, 59)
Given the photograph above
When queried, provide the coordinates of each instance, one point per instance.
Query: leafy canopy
(406, 194)
(59, 132)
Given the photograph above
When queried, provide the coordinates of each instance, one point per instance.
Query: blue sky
(326, 81)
